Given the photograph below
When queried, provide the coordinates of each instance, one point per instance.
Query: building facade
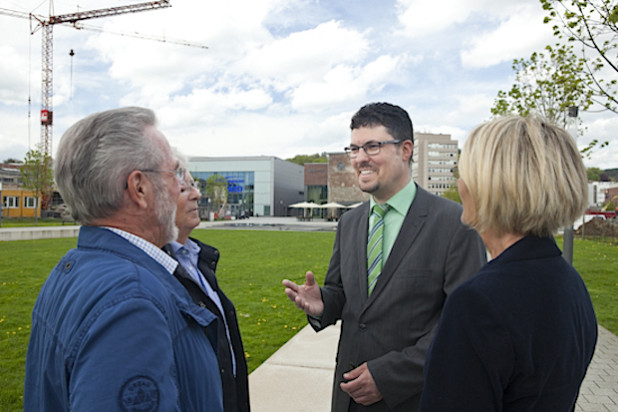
(16, 201)
(257, 185)
(342, 181)
(434, 159)
(601, 193)
(19, 203)
(316, 182)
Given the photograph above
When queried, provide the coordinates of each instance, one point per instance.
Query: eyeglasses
(371, 148)
(179, 173)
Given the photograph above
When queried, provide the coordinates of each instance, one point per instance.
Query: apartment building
(435, 156)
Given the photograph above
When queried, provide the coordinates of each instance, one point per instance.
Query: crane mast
(47, 54)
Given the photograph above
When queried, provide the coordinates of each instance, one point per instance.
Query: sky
(279, 77)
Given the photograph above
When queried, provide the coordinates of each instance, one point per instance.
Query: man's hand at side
(360, 386)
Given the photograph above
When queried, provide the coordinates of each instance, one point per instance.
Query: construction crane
(46, 24)
(137, 35)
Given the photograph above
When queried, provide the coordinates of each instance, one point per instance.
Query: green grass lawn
(250, 271)
(30, 221)
(597, 262)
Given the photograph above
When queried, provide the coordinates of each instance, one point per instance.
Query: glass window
(240, 189)
(30, 202)
(10, 202)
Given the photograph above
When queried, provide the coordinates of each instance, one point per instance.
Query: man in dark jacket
(387, 284)
(196, 272)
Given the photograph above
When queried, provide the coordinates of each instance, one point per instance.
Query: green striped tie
(375, 245)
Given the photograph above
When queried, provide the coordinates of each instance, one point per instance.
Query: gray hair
(183, 160)
(96, 156)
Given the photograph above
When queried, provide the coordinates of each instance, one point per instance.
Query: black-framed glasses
(371, 148)
(179, 173)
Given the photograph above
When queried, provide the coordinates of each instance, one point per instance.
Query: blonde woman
(519, 335)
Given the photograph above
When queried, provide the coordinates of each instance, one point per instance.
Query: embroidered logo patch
(140, 393)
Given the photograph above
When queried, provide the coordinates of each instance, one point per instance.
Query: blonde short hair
(525, 176)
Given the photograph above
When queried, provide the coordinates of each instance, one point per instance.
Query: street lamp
(568, 233)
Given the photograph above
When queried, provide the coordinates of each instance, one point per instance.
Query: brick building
(316, 182)
(342, 181)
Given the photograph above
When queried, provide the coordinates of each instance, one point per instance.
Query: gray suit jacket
(391, 330)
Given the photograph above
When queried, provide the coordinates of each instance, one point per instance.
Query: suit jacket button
(362, 326)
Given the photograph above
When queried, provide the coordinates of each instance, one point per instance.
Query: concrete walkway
(299, 376)
(272, 223)
(38, 232)
(599, 392)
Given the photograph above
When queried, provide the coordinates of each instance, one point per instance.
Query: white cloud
(344, 84)
(604, 129)
(304, 56)
(421, 18)
(515, 37)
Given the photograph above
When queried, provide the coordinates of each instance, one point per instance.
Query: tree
(314, 158)
(216, 189)
(613, 174)
(594, 174)
(37, 175)
(452, 193)
(593, 25)
(547, 84)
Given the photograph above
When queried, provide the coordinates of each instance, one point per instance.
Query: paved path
(38, 232)
(599, 392)
(299, 376)
(272, 223)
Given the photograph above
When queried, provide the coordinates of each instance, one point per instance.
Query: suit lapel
(360, 244)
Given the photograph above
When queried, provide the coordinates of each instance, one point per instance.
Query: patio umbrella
(333, 208)
(304, 205)
(332, 205)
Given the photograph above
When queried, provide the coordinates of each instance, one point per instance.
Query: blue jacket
(519, 336)
(113, 330)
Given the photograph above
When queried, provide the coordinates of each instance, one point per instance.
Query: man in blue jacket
(112, 329)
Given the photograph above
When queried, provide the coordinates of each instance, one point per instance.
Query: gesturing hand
(307, 297)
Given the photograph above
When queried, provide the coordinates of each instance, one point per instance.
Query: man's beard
(165, 210)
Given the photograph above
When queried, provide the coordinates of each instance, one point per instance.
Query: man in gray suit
(395, 260)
